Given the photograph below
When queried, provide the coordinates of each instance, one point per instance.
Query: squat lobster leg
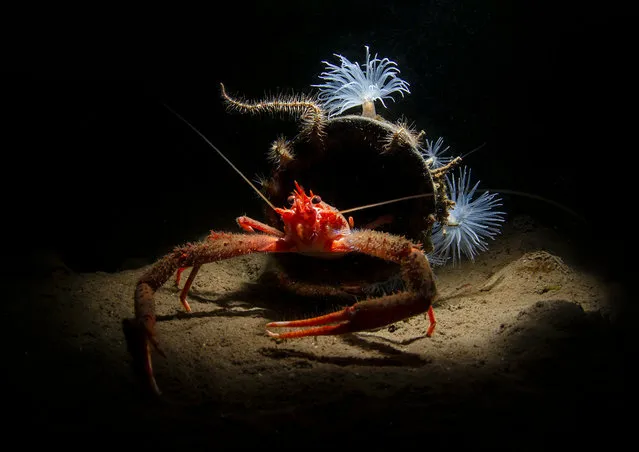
(251, 225)
(187, 286)
(193, 255)
(246, 223)
(377, 312)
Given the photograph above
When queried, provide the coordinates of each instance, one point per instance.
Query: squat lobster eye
(316, 199)
(291, 200)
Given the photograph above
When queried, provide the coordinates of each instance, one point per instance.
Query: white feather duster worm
(349, 86)
(470, 222)
(434, 154)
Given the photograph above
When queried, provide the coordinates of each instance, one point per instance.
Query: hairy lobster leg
(223, 246)
(246, 223)
(382, 311)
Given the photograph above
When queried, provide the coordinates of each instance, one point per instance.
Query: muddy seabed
(526, 352)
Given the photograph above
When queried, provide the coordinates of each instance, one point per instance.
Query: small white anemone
(433, 154)
(470, 221)
(349, 86)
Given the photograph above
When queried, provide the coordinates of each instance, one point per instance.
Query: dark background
(95, 169)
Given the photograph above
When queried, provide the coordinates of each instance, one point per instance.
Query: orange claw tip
(149, 371)
(278, 324)
(340, 316)
(154, 386)
(271, 334)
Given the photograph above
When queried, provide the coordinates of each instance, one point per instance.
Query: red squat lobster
(311, 227)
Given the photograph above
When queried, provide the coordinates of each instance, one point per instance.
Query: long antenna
(423, 195)
(474, 150)
(221, 155)
(538, 198)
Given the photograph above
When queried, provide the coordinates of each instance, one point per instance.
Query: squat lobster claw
(339, 322)
(310, 226)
